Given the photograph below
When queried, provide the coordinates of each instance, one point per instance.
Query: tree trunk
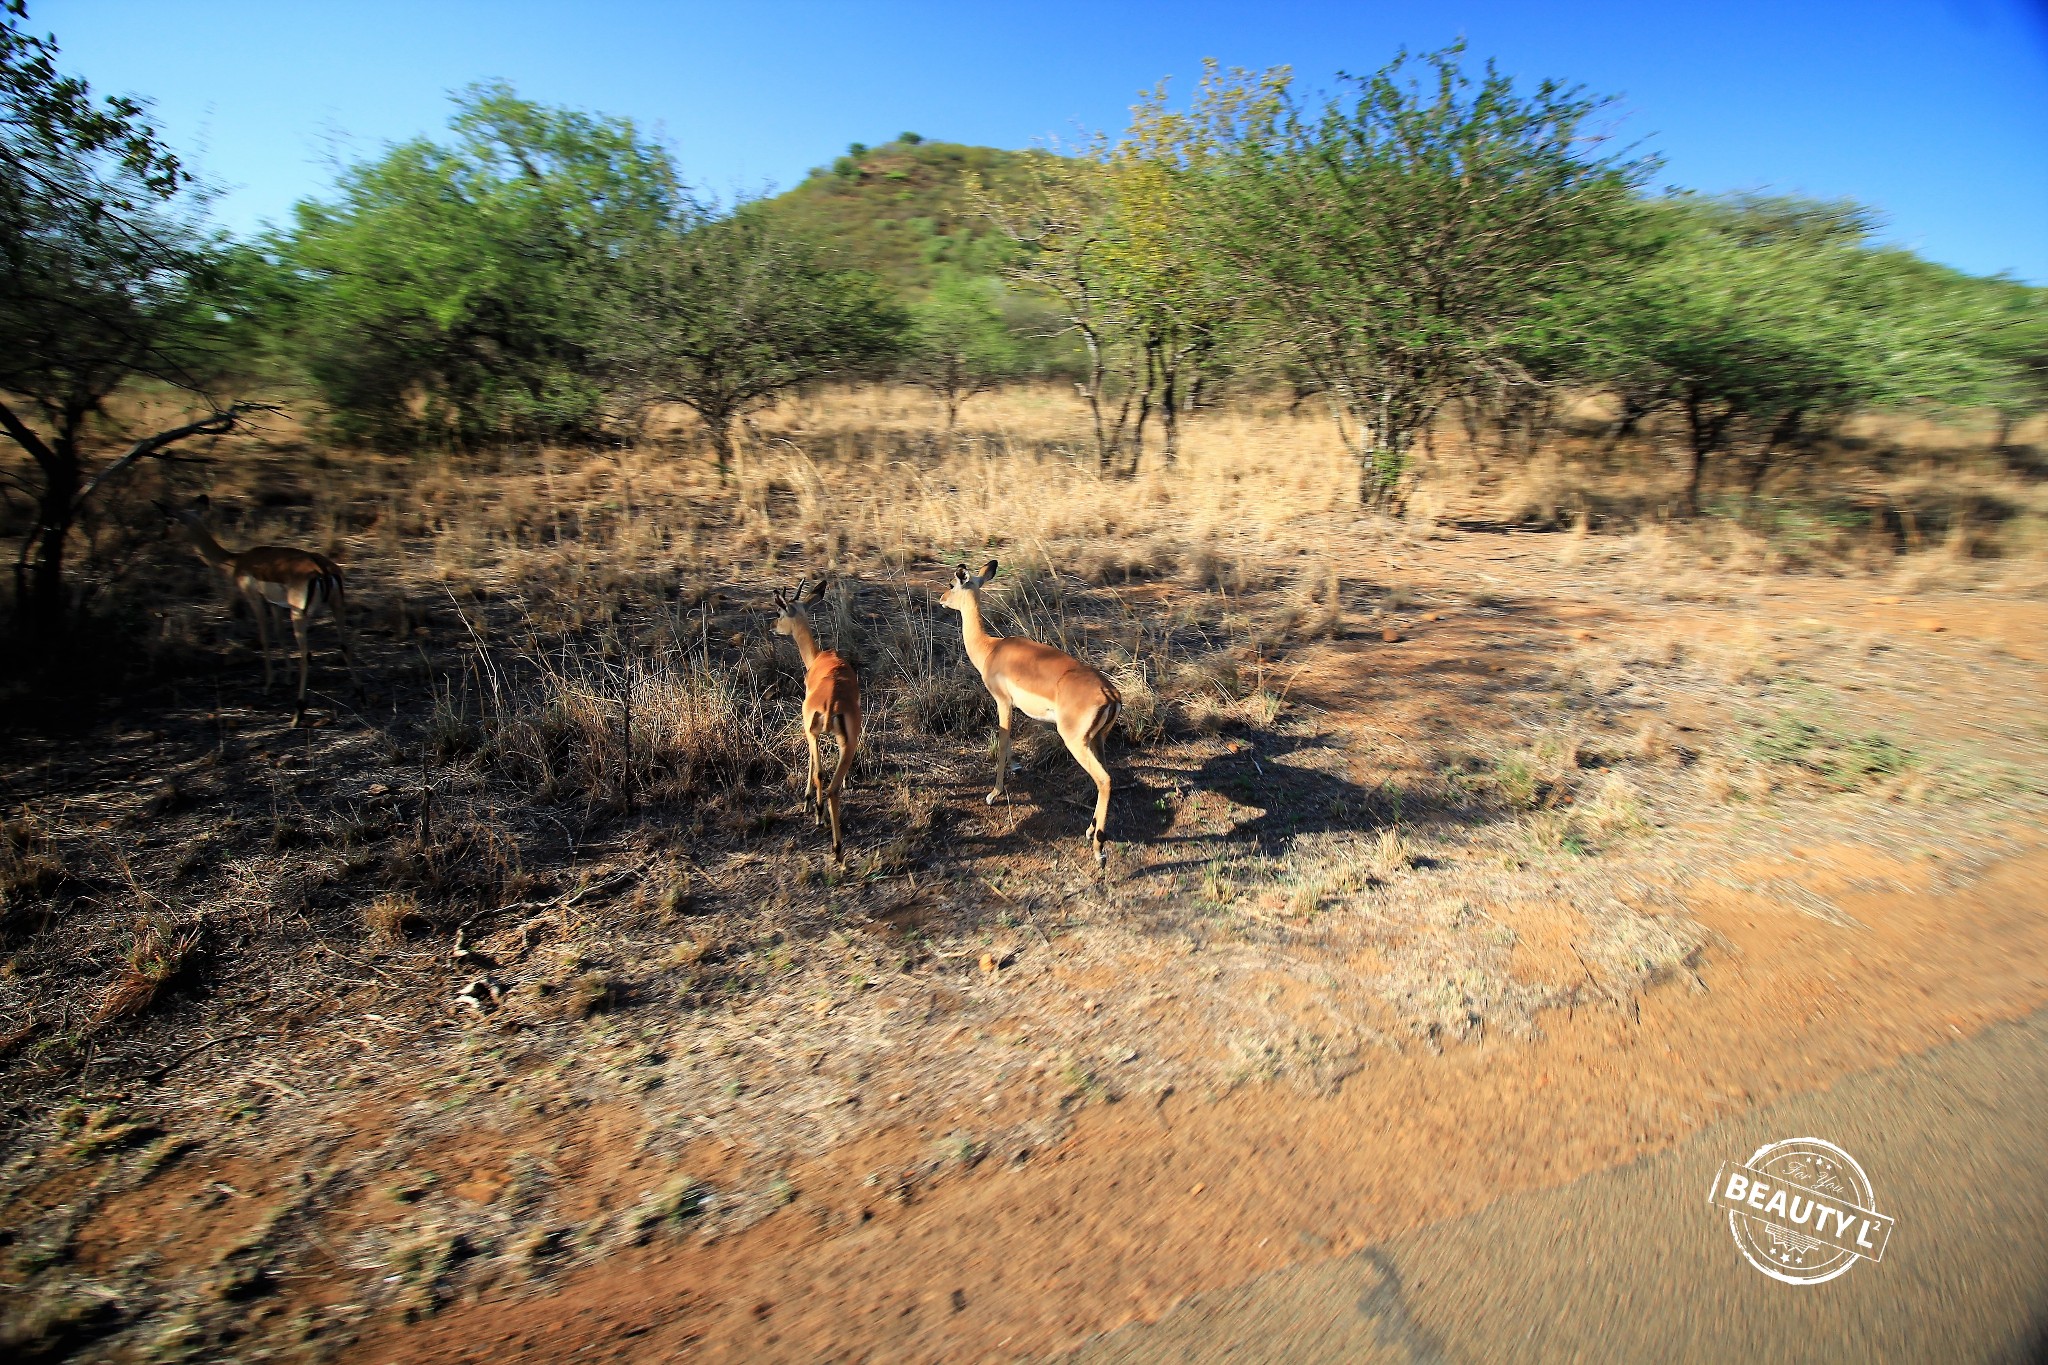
(720, 429)
(1169, 412)
(39, 597)
(1144, 407)
(1169, 426)
(1381, 460)
(39, 602)
(1760, 463)
(1092, 391)
(59, 507)
(1626, 425)
(1699, 432)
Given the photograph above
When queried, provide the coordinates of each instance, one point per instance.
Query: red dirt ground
(1145, 1205)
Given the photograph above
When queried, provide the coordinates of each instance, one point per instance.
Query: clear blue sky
(1934, 111)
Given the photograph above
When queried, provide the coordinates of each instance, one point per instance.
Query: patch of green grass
(1844, 762)
(1514, 777)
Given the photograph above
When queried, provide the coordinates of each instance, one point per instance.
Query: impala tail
(1106, 714)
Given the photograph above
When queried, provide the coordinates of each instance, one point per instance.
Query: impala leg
(1003, 713)
(1091, 762)
(302, 630)
(814, 787)
(847, 744)
(259, 608)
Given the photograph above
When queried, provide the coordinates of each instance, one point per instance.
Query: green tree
(453, 290)
(105, 278)
(1763, 323)
(2018, 345)
(724, 316)
(958, 344)
(1399, 237)
(1178, 302)
(1106, 239)
(1058, 211)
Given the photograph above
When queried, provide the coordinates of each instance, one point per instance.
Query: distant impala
(300, 582)
(1024, 675)
(831, 706)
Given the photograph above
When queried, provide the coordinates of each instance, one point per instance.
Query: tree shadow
(1140, 811)
(1292, 800)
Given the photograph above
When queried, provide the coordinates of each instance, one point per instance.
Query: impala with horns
(831, 706)
(1024, 675)
(300, 582)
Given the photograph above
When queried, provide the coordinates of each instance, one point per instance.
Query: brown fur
(300, 582)
(831, 707)
(1046, 685)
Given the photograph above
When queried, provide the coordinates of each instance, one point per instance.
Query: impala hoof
(990, 799)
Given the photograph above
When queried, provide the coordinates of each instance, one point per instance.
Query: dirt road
(1630, 1264)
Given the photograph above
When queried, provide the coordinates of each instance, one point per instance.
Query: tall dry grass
(612, 604)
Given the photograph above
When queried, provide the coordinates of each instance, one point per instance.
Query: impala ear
(988, 571)
(960, 577)
(818, 593)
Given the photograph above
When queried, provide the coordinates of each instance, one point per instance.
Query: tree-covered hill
(904, 210)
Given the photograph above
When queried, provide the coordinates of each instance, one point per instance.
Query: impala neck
(973, 633)
(806, 639)
(210, 550)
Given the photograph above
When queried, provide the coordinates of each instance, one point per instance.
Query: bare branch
(214, 424)
(25, 436)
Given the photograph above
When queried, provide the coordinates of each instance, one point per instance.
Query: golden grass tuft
(391, 917)
(158, 953)
(31, 861)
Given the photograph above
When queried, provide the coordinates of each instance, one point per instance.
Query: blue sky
(1934, 111)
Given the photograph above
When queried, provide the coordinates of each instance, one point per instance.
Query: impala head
(965, 585)
(195, 514)
(789, 606)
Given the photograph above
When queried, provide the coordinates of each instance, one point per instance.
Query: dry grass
(581, 749)
(392, 917)
(158, 954)
(31, 864)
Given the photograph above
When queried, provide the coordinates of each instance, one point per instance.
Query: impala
(300, 582)
(831, 706)
(1024, 675)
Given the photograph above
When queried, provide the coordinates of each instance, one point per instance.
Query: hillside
(903, 210)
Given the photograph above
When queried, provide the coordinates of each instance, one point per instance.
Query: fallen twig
(152, 1077)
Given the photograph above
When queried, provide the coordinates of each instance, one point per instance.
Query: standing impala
(1024, 675)
(831, 706)
(300, 582)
